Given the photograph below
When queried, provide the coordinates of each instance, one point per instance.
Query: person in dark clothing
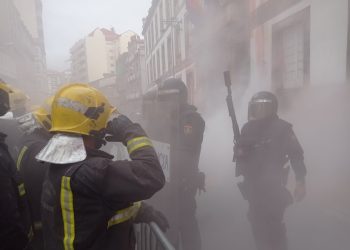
(15, 223)
(188, 137)
(8, 124)
(266, 145)
(35, 128)
(90, 201)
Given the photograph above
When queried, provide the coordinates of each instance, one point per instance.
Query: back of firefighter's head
(263, 105)
(175, 86)
(80, 109)
(5, 91)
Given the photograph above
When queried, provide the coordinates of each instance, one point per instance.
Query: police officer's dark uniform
(187, 141)
(15, 224)
(266, 144)
(91, 204)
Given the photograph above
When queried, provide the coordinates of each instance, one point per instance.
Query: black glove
(148, 214)
(117, 128)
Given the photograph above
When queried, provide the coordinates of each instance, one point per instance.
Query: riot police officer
(187, 140)
(15, 226)
(266, 145)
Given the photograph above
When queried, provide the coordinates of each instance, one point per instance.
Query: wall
(27, 9)
(96, 55)
(329, 28)
(328, 43)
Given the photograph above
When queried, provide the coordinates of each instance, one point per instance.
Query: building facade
(95, 56)
(196, 40)
(167, 30)
(31, 15)
(132, 77)
(220, 42)
(17, 49)
(56, 79)
(295, 43)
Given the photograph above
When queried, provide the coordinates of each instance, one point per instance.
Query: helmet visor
(260, 109)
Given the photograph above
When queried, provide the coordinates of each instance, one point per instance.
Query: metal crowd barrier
(151, 237)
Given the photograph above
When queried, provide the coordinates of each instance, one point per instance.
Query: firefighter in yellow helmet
(35, 126)
(89, 201)
(14, 211)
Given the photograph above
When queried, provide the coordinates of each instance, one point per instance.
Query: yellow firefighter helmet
(80, 109)
(43, 113)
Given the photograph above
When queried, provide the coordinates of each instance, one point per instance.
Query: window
(176, 5)
(187, 37)
(170, 53)
(159, 73)
(146, 42)
(149, 73)
(167, 10)
(161, 16)
(163, 59)
(154, 67)
(152, 36)
(156, 26)
(149, 41)
(177, 39)
(291, 54)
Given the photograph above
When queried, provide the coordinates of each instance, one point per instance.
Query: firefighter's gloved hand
(116, 128)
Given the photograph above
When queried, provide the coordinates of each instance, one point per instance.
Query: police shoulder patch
(188, 129)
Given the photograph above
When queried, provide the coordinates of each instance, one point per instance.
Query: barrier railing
(151, 237)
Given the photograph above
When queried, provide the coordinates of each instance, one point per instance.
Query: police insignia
(188, 129)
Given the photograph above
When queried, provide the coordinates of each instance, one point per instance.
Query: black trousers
(267, 205)
(268, 228)
(188, 225)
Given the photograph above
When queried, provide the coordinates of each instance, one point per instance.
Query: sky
(67, 21)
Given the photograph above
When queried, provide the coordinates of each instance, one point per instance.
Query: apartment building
(132, 76)
(56, 79)
(31, 14)
(17, 49)
(94, 56)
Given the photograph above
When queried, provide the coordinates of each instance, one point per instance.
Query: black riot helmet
(263, 104)
(174, 86)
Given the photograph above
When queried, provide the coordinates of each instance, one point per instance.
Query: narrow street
(320, 222)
